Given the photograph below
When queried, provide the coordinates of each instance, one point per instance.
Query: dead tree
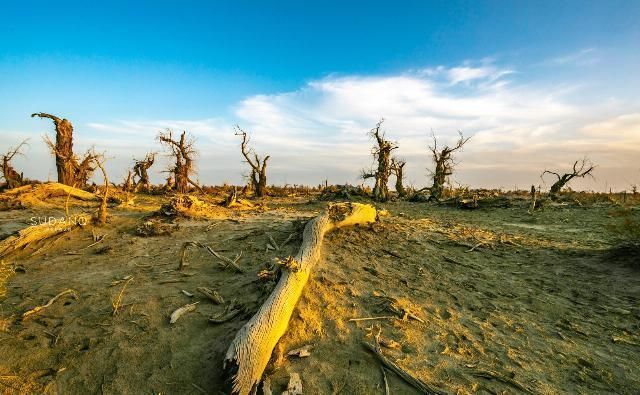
(10, 175)
(183, 152)
(581, 169)
(444, 164)
(140, 169)
(101, 216)
(397, 167)
(258, 176)
(71, 170)
(127, 184)
(382, 154)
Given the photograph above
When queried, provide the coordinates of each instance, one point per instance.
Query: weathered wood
(251, 349)
(39, 232)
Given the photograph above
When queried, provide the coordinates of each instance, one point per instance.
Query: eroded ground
(511, 303)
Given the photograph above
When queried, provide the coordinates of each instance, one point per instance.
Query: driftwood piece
(230, 312)
(212, 294)
(251, 349)
(301, 352)
(49, 303)
(413, 381)
(175, 316)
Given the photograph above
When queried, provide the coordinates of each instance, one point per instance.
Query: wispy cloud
(584, 57)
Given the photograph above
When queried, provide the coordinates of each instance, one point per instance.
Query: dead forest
(259, 288)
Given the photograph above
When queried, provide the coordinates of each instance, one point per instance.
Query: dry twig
(49, 303)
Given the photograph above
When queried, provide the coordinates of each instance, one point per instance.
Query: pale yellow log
(251, 349)
(51, 227)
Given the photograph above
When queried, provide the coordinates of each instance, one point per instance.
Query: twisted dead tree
(258, 177)
(397, 167)
(10, 175)
(251, 349)
(140, 169)
(127, 185)
(581, 169)
(183, 152)
(101, 216)
(382, 154)
(71, 170)
(444, 164)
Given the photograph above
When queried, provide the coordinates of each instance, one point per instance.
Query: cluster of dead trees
(75, 171)
(388, 165)
(443, 167)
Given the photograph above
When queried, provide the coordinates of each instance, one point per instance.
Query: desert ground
(489, 301)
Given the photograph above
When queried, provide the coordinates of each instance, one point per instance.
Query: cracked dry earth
(497, 301)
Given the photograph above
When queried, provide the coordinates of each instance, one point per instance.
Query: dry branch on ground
(251, 349)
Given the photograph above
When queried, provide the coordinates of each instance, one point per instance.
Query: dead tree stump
(71, 170)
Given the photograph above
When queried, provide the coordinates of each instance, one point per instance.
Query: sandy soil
(511, 303)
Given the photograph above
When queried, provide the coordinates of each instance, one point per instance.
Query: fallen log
(38, 195)
(35, 233)
(251, 349)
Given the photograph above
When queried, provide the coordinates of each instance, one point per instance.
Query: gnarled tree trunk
(251, 349)
(444, 164)
(183, 152)
(71, 171)
(140, 169)
(10, 175)
(581, 169)
(258, 176)
(62, 148)
(397, 165)
(382, 153)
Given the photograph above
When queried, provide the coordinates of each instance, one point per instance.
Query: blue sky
(536, 83)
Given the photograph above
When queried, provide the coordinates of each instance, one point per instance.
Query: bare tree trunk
(102, 211)
(183, 152)
(444, 163)
(63, 148)
(585, 169)
(140, 169)
(71, 171)
(251, 349)
(258, 175)
(382, 153)
(10, 175)
(126, 185)
(397, 166)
